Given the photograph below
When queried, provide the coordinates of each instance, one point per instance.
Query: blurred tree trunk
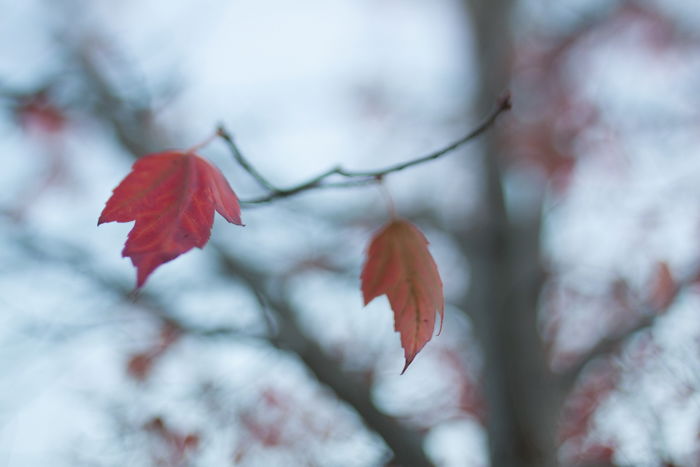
(522, 395)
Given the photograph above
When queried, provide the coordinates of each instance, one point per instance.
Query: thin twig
(363, 177)
(242, 161)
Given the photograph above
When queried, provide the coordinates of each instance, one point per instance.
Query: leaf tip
(366, 296)
(441, 310)
(140, 281)
(232, 217)
(143, 272)
(409, 360)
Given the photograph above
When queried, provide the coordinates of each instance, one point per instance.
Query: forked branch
(355, 177)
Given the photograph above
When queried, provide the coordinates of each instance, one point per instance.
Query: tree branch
(406, 444)
(359, 177)
(649, 315)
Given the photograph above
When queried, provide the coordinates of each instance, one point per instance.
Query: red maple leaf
(172, 197)
(399, 266)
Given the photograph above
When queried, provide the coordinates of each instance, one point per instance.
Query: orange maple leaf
(172, 197)
(400, 266)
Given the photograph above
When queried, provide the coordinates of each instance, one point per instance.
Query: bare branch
(360, 177)
(650, 313)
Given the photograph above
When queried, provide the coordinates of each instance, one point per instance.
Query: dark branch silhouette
(358, 177)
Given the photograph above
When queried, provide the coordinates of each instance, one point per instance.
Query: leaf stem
(204, 143)
(391, 206)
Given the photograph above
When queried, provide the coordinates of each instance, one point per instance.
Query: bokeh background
(566, 235)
